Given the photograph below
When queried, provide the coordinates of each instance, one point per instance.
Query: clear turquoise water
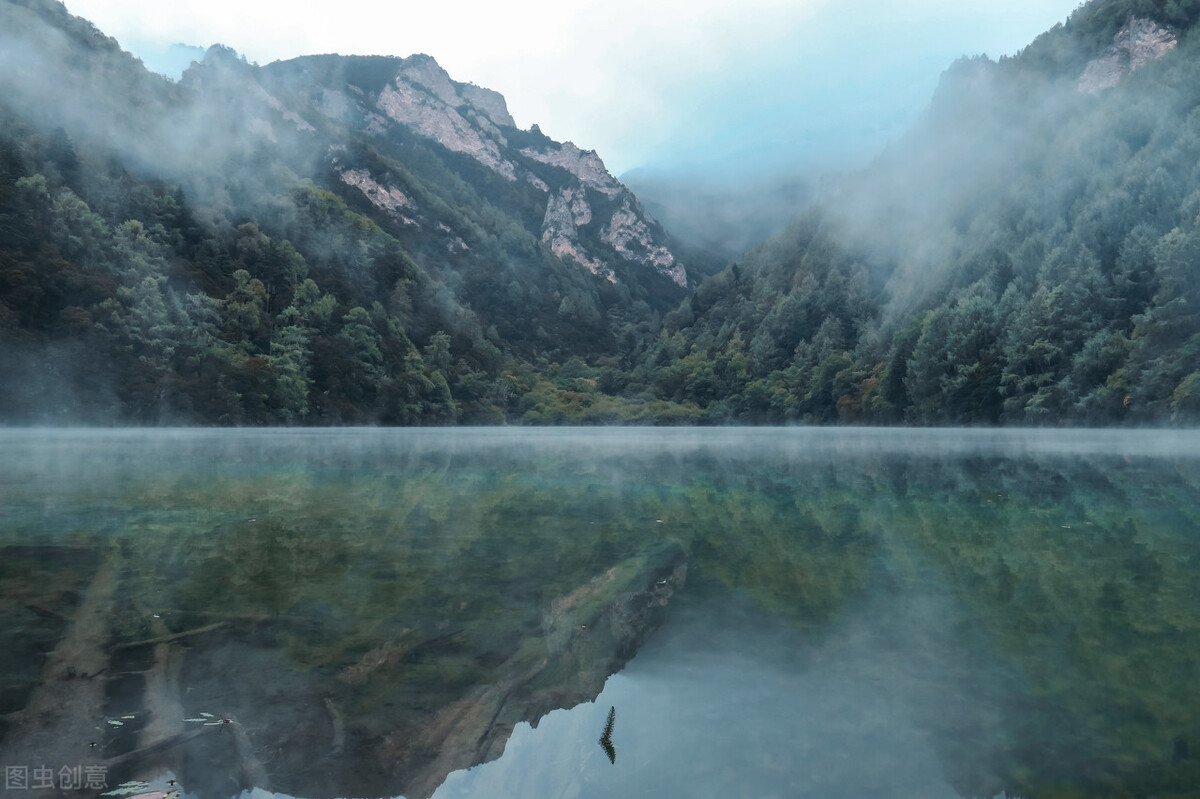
(860, 612)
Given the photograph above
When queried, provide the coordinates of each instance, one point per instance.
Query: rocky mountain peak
(424, 71)
(588, 217)
(220, 64)
(220, 54)
(583, 164)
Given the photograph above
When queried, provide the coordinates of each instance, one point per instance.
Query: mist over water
(70, 448)
(766, 612)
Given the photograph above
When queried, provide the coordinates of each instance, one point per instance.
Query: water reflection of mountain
(287, 698)
(375, 611)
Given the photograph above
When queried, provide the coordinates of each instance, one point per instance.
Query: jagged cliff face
(628, 234)
(307, 110)
(585, 165)
(588, 220)
(566, 212)
(1140, 41)
(433, 114)
(402, 207)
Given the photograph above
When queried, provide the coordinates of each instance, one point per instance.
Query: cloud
(638, 80)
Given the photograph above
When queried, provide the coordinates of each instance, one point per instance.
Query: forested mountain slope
(364, 240)
(1029, 253)
(325, 240)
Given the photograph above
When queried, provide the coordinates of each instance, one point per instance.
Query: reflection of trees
(418, 610)
(793, 539)
(1081, 579)
(388, 597)
(1074, 631)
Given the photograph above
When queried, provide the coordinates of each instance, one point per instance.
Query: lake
(494, 612)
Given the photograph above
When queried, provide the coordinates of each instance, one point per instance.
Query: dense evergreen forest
(1025, 255)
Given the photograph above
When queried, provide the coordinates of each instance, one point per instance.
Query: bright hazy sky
(664, 83)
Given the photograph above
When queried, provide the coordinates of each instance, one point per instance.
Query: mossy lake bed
(455, 612)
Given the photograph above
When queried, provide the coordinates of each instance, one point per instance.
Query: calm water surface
(598, 613)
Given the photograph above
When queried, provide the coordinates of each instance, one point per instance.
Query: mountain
(364, 240)
(716, 219)
(324, 240)
(1026, 254)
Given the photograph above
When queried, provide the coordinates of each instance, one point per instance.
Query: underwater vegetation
(325, 617)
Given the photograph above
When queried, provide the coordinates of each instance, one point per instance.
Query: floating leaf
(116, 723)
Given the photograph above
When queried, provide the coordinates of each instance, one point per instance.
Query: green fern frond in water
(606, 739)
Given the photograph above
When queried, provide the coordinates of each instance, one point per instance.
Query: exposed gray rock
(1140, 41)
(429, 115)
(628, 234)
(583, 164)
(536, 182)
(489, 102)
(566, 211)
(425, 72)
(474, 121)
(388, 198)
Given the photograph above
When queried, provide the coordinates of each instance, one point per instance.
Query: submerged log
(160, 699)
(169, 637)
(338, 744)
(63, 720)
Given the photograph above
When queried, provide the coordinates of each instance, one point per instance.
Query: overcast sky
(655, 83)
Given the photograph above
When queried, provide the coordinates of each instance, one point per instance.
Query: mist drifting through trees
(1024, 255)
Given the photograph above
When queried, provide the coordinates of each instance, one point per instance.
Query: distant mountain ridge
(375, 94)
(335, 240)
(394, 185)
(1025, 254)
